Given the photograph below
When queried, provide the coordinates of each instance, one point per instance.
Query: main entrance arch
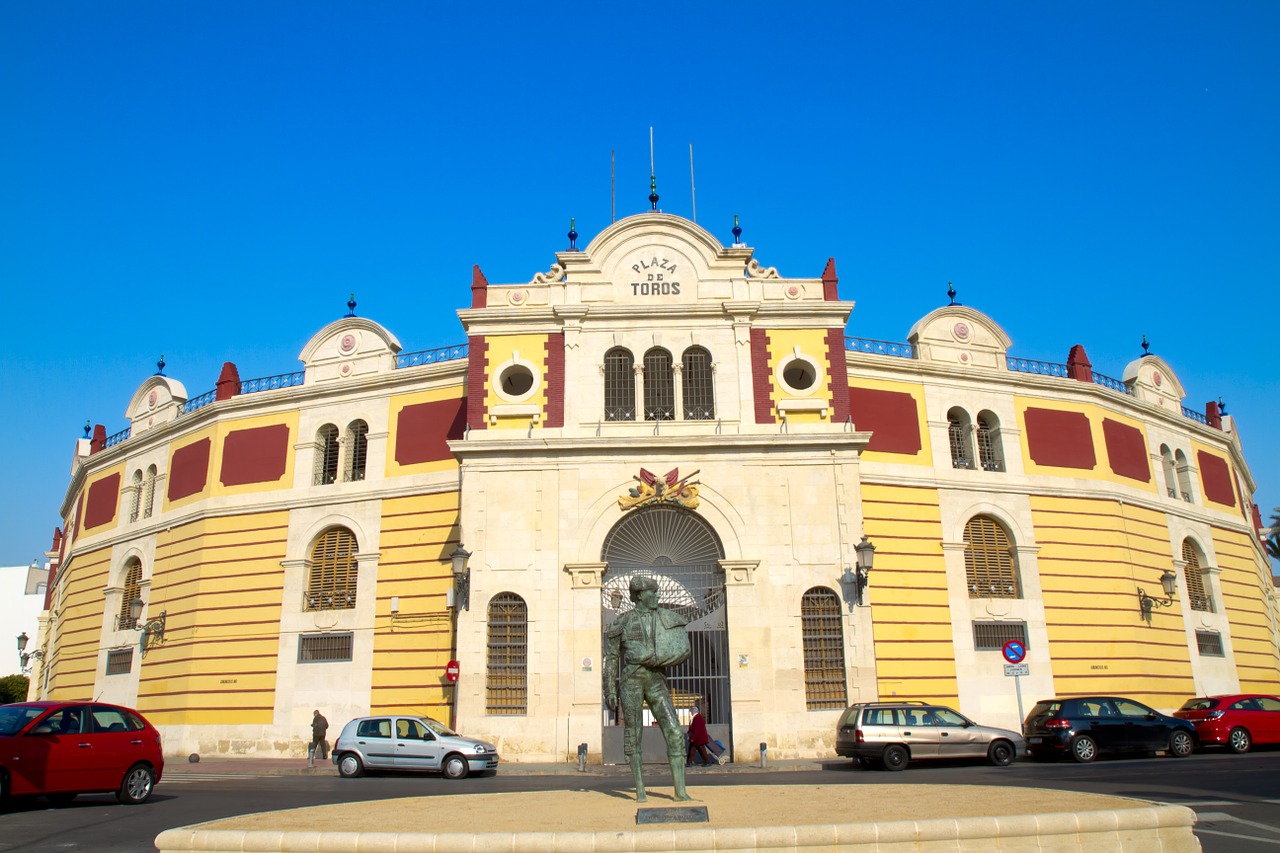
(681, 551)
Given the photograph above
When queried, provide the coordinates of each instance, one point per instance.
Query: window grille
(990, 570)
(132, 590)
(696, 387)
(1184, 474)
(326, 469)
(135, 503)
(659, 386)
(823, 638)
(506, 681)
(955, 436)
(334, 572)
(1209, 643)
(1197, 596)
(358, 450)
(149, 492)
(619, 386)
(119, 661)
(988, 446)
(991, 636)
(325, 648)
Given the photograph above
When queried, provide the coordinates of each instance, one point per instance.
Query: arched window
(326, 468)
(958, 438)
(989, 565)
(1184, 474)
(334, 571)
(1170, 472)
(823, 638)
(149, 492)
(132, 590)
(659, 386)
(1197, 595)
(135, 501)
(506, 679)
(695, 385)
(357, 450)
(619, 385)
(990, 454)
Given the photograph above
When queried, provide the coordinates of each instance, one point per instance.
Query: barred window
(334, 571)
(1198, 597)
(1170, 472)
(325, 648)
(326, 467)
(1209, 643)
(659, 386)
(991, 636)
(135, 502)
(132, 590)
(119, 661)
(696, 387)
(823, 638)
(990, 569)
(619, 385)
(149, 492)
(506, 681)
(357, 450)
(1184, 474)
(958, 438)
(989, 451)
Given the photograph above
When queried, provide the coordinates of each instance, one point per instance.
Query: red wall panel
(189, 470)
(891, 416)
(1061, 439)
(423, 429)
(104, 497)
(1216, 475)
(1126, 450)
(258, 455)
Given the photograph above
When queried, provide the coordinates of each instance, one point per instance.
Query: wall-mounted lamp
(461, 577)
(24, 659)
(152, 630)
(855, 581)
(1146, 603)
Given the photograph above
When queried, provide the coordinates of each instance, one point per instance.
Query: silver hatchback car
(402, 742)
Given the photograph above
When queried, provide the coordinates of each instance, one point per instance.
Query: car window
(1094, 708)
(1128, 708)
(1243, 705)
(439, 727)
(1042, 708)
(133, 722)
(948, 717)
(104, 719)
(918, 717)
(13, 718)
(412, 729)
(1198, 704)
(374, 728)
(1269, 704)
(64, 721)
(880, 717)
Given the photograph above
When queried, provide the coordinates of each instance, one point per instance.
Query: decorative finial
(1146, 347)
(653, 191)
(1222, 407)
(737, 231)
(351, 306)
(160, 366)
(951, 293)
(573, 236)
(88, 427)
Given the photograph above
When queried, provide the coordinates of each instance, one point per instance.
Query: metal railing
(122, 435)
(1040, 368)
(272, 383)
(199, 402)
(879, 347)
(1112, 384)
(1195, 416)
(432, 356)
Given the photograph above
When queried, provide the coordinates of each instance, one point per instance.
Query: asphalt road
(1236, 797)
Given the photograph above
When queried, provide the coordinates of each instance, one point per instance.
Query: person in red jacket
(699, 739)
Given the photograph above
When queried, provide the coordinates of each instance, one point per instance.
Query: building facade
(656, 403)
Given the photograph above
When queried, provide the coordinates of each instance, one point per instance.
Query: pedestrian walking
(319, 732)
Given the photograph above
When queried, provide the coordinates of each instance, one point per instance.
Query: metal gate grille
(619, 386)
(823, 636)
(659, 386)
(699, 397)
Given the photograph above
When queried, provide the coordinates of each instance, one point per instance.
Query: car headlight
(480, 749)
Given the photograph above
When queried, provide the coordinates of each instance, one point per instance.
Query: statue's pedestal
(681, 814)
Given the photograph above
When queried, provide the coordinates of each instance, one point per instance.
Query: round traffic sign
(1014, 651)
(451, 671)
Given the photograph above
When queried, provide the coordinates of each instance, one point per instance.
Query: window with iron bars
(659, 386)
(988, 445)
(991, 636)
(1209, 643)
(619, 385)
(334, 572)
(119, 661)
(357, 450)
(326, 467)
(135, 500)
(149, 492)
(1198, 597)
(696, 388)
(325, 648)
(506, 678)
(823, 638)
(132, 590)
(959, 445)
(990, 569)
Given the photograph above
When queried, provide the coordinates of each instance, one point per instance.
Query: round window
(800, 374)
(516, 380)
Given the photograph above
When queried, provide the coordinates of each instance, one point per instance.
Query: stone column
(581, 640)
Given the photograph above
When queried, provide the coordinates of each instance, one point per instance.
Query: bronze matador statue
(639, 647)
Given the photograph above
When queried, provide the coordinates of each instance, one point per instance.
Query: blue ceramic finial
(737, 231)
(653, 191)
(1146, 347)
(160, 366)
(88, 427)
(951, 293)
(1222, 407)
(351, 306)
(573, 236)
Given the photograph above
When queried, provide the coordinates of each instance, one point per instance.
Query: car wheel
(60, 799)
(894, 757)
(455, 766)
(1181, 744)
(349, 766)
(137, 786)
(1000, 753)
(1239, 740)
(1083, 749)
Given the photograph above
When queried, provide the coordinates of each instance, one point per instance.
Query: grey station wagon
(891, 734)
(399, 742)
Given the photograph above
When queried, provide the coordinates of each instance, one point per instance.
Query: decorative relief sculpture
(556, 273)
(669, 489)
(754, 270)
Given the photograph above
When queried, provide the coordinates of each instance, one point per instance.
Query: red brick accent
(423, 430)
(189, 469)
(57, 539)
(1126, 450)
(890, 416)
(1215, 473)
(1213, 415)
(829, 281)
(553, 370)
(838, 381)
(99, 440)
(479, 288)
(1078, 366)
(228, 382)
(1061, 439)
(258, 455)
(1257, 521)
(477, 375)
(104, 495)
(762, 377)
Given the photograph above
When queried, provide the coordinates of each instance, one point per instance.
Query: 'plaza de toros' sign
(655, 276)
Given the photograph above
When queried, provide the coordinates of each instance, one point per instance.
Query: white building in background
(22, 591)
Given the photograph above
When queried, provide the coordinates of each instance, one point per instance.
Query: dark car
(1086, 726)
(61, 749)
(1237, 721)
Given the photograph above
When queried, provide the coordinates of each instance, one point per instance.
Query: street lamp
(855, 581)
(1146, 603)
(153, 628)
(461, 577)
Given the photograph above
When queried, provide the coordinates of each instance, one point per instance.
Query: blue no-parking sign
(1014, 651)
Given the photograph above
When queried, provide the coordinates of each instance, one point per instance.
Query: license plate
(1035, 740)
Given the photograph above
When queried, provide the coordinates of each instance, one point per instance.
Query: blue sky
(210, 179)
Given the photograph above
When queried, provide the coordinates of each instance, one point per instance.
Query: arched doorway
(680, 550)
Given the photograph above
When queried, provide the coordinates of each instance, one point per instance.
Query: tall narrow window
(1170, 472)
(958, 438)
(823, 638)
(357, 450)
(149, 492)
(326, 468)
(619, 385)
(989, 565)
(1197, 596)
(506, 681)
(696, 387)
(135, 500)
(1184, 475)
(132, 590)
(990, 454)
(334, 571)
(659, 386)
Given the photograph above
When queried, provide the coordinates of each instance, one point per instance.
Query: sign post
(1015, 653)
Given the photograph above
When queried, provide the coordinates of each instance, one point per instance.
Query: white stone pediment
(959, 335)
(158, 400)
(1153, 381)
(350, 347)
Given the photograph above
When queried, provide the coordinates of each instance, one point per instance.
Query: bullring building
(839, 519)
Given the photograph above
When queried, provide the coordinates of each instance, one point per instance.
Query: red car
(1237, 721)
(61, 749)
